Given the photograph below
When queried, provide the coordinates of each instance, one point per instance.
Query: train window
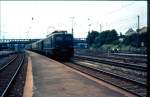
(58, 38)
(69, 38)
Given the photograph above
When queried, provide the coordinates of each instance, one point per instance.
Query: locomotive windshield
(69, 38)
(63, 40)
(58, 38)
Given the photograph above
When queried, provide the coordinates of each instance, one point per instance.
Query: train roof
(63, 32)
(58, 32)
(53, 33)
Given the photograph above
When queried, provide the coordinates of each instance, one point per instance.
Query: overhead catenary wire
(131, 19)
(126, 23)
(117, 10)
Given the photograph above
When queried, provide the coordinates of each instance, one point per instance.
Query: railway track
(10, 61)
(130, 55)
(100, 53)
(9, 72)
(130, 85)
(128, 58)
(135, 75)
(138, 67)
(125, 58)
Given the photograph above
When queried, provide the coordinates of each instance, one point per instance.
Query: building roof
(143, 29)
(130, 31)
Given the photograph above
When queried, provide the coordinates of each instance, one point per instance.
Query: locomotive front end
(64, 46)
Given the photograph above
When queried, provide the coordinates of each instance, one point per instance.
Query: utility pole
(72, 18)
(89, 25)
(100, 27)
(138, 23)
(138, 28)
(88, 36)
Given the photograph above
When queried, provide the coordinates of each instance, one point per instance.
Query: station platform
(49, 78)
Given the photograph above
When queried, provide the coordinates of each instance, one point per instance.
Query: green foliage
(131, 40)
(94, 46)
(109, 39)
(136, 39)
(96, 39)
(91, 37)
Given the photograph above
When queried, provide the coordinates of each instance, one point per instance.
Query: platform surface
(53, 79)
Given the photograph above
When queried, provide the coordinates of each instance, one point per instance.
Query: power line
(122, 20)
(114, 11)
(125, 23)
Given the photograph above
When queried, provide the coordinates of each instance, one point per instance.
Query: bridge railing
(24, 41)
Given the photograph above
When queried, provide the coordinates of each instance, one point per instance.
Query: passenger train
(58, 45)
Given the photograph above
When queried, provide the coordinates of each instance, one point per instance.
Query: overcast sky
(16, 17)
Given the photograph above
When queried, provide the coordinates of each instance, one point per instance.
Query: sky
(36, 19)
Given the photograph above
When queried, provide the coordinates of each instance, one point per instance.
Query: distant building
(143, 30)
(130, 32)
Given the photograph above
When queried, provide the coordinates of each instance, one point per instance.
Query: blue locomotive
(58, 45)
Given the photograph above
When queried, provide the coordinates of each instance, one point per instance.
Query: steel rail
(13, 78)
(115, 57)
(111, 74)
(108, 74)
(119, 64)
(117, 72)
(3, 67)
(130, 55)
(124, 59)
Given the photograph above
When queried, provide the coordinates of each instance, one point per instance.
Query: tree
(91, 37)
(132, 40)
(106, 37)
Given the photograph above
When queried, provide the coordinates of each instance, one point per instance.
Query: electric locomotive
(58, 45)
